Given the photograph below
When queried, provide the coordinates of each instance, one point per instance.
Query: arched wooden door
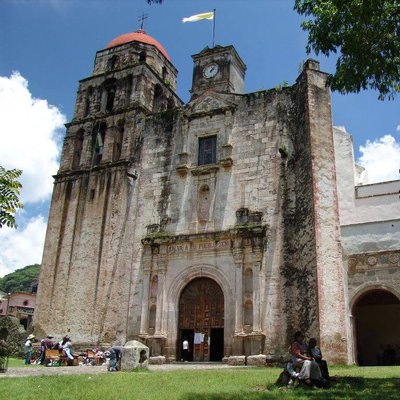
(377, 326)
(201, 320)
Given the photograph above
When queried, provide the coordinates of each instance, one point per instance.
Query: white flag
(198, 17)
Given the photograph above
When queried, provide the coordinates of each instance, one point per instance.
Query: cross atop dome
(141, 19)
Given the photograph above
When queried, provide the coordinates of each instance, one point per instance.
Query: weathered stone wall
(299, 267)
(314, 278)
(331, 276)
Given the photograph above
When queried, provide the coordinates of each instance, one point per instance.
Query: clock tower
(219, 68)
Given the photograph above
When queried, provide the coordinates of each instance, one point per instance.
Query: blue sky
(52, 44)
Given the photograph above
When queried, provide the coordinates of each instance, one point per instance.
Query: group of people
(64, 347)
(306, 363)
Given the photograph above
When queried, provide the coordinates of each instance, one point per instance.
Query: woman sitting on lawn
(309, 368)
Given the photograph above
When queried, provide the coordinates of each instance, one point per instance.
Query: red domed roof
(138, 36)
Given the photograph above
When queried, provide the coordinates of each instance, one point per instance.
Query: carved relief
(360, 263)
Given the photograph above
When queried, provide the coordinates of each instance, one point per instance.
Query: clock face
(211, 70)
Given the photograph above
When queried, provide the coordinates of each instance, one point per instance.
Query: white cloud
(29, 129)
(19, 248)
(398, 128)
(381, 159)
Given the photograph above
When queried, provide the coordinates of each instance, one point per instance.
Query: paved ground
(41, 371)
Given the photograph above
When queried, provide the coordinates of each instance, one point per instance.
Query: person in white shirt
(28, 348)
(185, 350)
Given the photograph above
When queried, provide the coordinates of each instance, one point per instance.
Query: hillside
(21, 280)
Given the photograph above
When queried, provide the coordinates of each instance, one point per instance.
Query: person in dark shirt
(115, 357)
(45, 344)
(316, 354)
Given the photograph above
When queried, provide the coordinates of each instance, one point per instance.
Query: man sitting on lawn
(316, 354)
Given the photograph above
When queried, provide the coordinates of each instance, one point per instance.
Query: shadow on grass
(353, 388)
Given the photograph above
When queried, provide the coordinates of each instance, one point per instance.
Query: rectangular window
(208, 150)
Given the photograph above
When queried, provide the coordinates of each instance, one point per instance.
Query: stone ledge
(237, 360)
(205, 169)
(259, 360)
(157, 360)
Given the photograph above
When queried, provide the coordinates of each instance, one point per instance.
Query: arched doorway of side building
(377, 328)
(201, 320)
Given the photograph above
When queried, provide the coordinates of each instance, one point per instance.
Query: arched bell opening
(201, 320)
(377, 328)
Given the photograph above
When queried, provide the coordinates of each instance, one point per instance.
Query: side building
(370, 237)
(216, 221)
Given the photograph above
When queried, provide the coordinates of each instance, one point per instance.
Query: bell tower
(219, 68)
(96, 186)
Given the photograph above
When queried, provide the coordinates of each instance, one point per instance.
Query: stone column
(238, 260)
(160, 321)
(144, 321)
(331, 294)
(256, 297)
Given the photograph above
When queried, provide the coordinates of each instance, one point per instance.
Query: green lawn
(355, 383)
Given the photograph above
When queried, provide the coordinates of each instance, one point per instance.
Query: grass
(19, 362)
(355, 383)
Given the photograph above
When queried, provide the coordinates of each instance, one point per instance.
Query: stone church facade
(216, 221)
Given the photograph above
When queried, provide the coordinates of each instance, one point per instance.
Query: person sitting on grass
(316, 354)
(310, 372)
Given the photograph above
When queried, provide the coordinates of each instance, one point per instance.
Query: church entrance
(201, 320)
(377, 328)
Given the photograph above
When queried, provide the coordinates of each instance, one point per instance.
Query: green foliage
(282, 85)
(20, 280)
(366, 33)
(9, 192)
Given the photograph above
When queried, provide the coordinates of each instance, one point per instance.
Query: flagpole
(213, 31)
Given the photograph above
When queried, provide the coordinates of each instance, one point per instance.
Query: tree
(366, 33)
(9, 192)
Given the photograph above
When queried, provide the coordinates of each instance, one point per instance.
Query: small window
(128, 89)
(208, 150)
(108, 95)
(88, 97)
(110, 99)
(78, 144)
(117, 146)
(98, 143)
(25, 303)
(164, 73)
(112, 61)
